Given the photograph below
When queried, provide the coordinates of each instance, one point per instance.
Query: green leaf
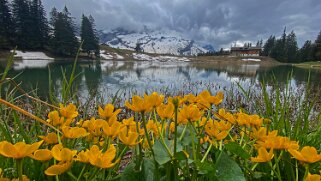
(227, 169)
(161, 154)
(205, 167)
(130, 174)
(237, 150)
(149, 169)
(181, 156)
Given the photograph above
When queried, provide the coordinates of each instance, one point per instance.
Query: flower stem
(207, 152)
(306, 171)
(150, 144)
(175, 138)
(82, 172)
(183, 133)
(146, 134)
(72, 175)
(19, 168)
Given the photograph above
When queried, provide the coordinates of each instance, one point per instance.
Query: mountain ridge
(151, 41)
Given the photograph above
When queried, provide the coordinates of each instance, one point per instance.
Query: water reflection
(140, 76)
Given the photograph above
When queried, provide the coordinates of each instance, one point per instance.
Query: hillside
(159, 42)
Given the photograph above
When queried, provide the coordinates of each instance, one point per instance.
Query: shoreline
(133, 56)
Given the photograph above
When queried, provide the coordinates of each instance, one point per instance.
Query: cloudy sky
(216, 22)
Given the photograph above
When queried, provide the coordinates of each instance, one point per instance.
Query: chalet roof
(245, 48)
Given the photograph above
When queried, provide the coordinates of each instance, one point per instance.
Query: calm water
(141, 76)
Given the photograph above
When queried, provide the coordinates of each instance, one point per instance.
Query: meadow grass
(246, 134)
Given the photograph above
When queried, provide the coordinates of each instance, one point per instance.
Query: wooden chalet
(246, 51)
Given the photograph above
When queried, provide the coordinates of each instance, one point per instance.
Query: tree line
(23, 24)
(285, 49)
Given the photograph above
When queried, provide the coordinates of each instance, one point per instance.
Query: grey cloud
(215, 22)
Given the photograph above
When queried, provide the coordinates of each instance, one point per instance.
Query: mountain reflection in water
(107, 77)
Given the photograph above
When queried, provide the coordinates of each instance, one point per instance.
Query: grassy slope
(309, 65)
(127, 54)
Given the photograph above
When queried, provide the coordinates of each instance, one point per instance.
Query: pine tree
(40, 24)
(279, 50)
(23, 23)
(306, 52)
(317, 48)
(64, 41)
(6, 26)
(291, 48)
(268, 46)
(90, 40)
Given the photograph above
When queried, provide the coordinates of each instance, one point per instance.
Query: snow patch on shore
(252, 59)
(31, 55)
(36, 63)
(139, 56)
(108, 56)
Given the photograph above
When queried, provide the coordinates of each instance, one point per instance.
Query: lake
(130, 77)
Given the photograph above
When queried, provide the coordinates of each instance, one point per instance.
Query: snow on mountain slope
(160, 42)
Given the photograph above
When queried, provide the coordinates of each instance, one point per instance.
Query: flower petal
(58, 169)
(41, 155)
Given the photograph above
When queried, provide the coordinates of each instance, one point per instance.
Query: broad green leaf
(181, 155)
(237, 150)
(130, 174)
(149, 169)
(161, 154)
(227, 169)
(205, 167)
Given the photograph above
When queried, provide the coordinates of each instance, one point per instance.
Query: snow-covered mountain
(160, 42)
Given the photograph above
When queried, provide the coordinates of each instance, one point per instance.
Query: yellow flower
(58, 169)
(259, 134)
(152, 126)
(190, 113)
(176, 101)
(63, 154)
(55, 119)
(41, 155)
(108, 112)
(154, 99)
(51, 138)
(69, 111)
(263, 155)
(249, 120)
(206, 99)
(102, 160)
(308, 154)
(165, 111)
(222, 114)
(243, 119)
(94, 126)
(139, 104)
(74, 132)
(112, 130)
(191, 98)
(222, 125)
(255, 120)
(312, 177)
(24, 178)
(129, 122)
(128, 137)
(82, 157)
(172, 127)
(277, 142)
(145, 144)
(18, 150)
(204, 140)
(213, 130)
